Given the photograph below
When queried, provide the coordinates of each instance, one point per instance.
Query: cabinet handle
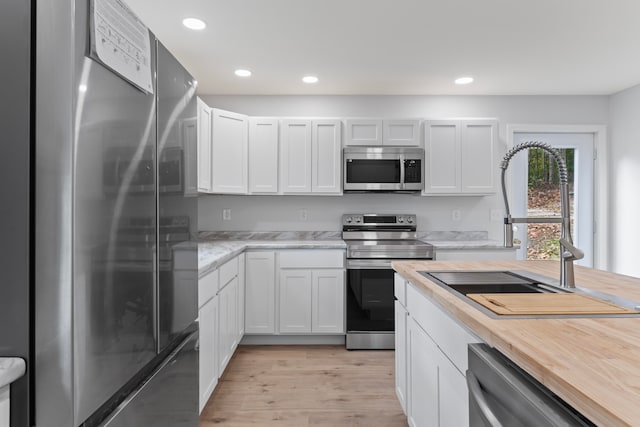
(477, 395)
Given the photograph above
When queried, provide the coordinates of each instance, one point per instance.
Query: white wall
(624, 167)
(266, 213)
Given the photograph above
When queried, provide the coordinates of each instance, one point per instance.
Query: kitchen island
(591, 363)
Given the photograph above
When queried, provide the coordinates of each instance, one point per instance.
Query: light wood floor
(305, 386)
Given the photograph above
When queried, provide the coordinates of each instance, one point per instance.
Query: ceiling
(403, 47)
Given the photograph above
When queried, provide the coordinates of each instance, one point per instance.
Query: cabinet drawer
(400, 289)
(312, 258)
(228, 271)
(450, 336)
(207, 287)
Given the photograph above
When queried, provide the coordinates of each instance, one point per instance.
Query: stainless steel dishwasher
(502, 395)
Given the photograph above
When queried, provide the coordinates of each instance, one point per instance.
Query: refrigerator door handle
(477, 395)
(156, 311)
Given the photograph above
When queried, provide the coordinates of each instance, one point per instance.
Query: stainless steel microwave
(383, 169)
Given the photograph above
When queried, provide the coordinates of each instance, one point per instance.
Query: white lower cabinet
(327, 301)
(208, 353)
(401, 354)
(220, 316)
(435, 354)
(227, 323)
(306, 296)
(422, 358)
(311, 292)
(295, 301)
(260, 289)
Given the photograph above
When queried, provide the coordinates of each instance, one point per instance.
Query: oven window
(370, 300)
(361, 171)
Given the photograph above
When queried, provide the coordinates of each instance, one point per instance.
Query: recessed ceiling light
(464, 80)
(310, 79)
(242, 73)
(194, 23)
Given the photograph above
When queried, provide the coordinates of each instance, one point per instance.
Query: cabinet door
(453, 395)
(295, 301)
(204, 147)
(401, 354)
(260, 293)
(326, 143)
(223, 330)
(295, 150)
(241, 296)
(227, 323)
(422, 375)
(229, 152)
(208, 321)
(442, 156)
(327, 301)
(477, 156)
(363, 132)
(401, 132)
(263, 155)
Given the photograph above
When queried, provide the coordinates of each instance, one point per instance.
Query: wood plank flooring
(325, 386)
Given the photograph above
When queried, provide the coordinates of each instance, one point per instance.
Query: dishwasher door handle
(478, 396)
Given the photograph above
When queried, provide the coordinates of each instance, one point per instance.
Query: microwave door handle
(402, 187)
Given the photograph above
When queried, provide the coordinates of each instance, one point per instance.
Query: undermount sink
(490, 282)
(479, 283)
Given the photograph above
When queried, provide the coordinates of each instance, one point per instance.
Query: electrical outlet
(456, 215)
(496, 215)
(302, 214)
(226, 214)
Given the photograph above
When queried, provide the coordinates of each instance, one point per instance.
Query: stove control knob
(410, 220)
(348, 220)
(400, 219)
(358, 219)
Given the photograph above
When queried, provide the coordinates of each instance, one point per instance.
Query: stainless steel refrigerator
(102, 297)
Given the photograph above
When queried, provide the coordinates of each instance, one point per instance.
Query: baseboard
(293, 340)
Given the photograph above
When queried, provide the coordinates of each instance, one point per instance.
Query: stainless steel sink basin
(489, 282)
(462, 283)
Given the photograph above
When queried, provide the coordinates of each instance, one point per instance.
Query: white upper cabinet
(442, 156)
(392, 132)
(326, 156)
(295, 154)
(263, 155)
(310, 156)
(401, 132)
(229, 149)
(460, 156)
(363, 132)
(477, 156)
(204, 147)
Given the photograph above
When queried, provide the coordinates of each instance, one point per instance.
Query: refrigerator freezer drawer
(169, 398)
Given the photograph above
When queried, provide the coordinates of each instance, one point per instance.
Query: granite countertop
(591, 363)
(461, 240)
(11, 368)
(217, 247)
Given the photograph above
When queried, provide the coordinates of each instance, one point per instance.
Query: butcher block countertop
(591, 363)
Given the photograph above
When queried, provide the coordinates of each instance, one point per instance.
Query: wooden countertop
(591, 363)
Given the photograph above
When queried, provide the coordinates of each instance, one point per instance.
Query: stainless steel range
(373, 242)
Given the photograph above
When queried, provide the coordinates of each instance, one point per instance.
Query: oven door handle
(368, 264)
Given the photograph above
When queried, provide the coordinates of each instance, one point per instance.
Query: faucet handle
(571, 252)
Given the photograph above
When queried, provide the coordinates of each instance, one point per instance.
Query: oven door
(370, 304)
